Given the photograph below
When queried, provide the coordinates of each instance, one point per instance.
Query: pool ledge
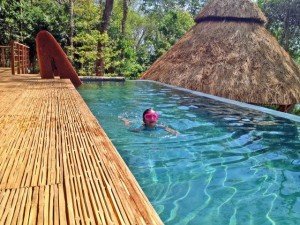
(233, 102)
(94, 78)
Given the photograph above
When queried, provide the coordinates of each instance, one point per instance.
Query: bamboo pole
(12, 57)
(27, 60)
(2, 61)
(22, 59)
(19, 58)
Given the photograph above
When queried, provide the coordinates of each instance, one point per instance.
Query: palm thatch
(234, 59)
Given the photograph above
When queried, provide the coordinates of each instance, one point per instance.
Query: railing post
(25, 66)
(2, 64)
(23, 59)
(19, 58)
(1, 58)
(12, 57)
(28, 58)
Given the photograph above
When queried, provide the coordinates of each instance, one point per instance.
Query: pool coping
(232, 102)
(93, 78)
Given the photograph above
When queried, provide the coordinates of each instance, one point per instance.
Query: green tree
(125, 39)
(86, 39)
(147, 36)
(166, 31)
(191, 6)
(22, 20)
(284, 23)
(104, 25)
(86, 36)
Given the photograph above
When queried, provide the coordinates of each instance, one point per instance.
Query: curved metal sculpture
(52, 59)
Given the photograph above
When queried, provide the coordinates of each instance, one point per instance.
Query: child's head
(150, 117)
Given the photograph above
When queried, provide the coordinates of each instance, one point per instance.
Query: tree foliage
(22, 20)
(284, 23)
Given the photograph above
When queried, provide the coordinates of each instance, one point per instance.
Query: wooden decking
(57, 166)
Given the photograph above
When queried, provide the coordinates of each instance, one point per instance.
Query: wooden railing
(4, 56)
(19, 58)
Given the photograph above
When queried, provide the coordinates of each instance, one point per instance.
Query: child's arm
(136, 130)
(126, 121)
(170, 130)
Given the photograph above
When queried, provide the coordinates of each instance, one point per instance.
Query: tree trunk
(286, 28)
(123, 25)
(286, 108)
(100, 63)
(125, 14)
(71, 55)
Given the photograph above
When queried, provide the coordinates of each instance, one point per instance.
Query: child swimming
(150, 119)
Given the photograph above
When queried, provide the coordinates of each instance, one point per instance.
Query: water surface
(228, 165)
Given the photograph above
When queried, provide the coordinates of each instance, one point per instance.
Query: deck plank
(57, 165)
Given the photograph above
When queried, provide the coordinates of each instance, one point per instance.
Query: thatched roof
(231, 59)
(242, 10)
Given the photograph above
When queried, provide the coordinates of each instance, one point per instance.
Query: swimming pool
(229, 165)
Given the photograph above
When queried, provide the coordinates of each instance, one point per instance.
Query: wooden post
(23, 59)
(25, 62)
(29, 65)
(1, 59)
(12, 57)
(27, 59)
(19, 58)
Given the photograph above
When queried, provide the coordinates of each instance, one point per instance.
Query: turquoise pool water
(229, 165)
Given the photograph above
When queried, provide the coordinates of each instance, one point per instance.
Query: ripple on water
(228, 165)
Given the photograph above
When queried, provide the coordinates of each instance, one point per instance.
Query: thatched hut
(229, 53)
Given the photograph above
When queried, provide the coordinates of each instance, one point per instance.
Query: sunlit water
(228, 165)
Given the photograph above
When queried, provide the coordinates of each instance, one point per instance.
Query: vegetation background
(124, 37)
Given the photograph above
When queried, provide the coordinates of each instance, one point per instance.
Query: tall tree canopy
(284, 23)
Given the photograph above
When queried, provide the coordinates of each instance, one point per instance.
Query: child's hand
(172, 131)
(126, 121)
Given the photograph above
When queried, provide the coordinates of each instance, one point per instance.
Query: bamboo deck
(57, 166)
